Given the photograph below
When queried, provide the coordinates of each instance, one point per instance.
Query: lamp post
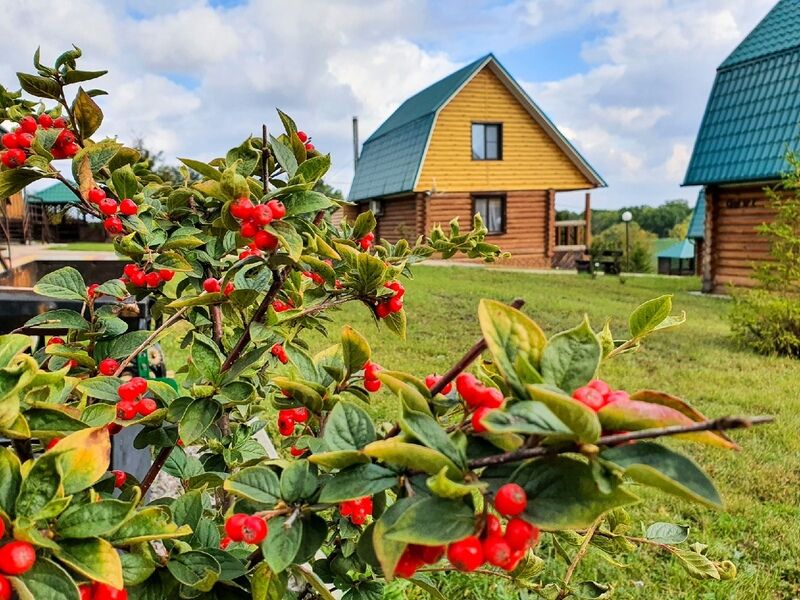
(627, 217)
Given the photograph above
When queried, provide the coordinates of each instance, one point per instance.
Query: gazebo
(51, 219)
(677, 259)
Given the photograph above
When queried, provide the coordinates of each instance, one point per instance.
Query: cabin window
(487, 141)
(492, 210)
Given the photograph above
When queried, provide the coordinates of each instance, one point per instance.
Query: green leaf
(188, 509)
(204, 169)
(301, 203)
(267, 584)
(579, 418)
(246, 156)
(52, 421)
(649, 315)
(430, 433)
(697, 565)
(355, 350)
(433, 521)
(93, 519)
(94, 558)
(300, 571)
(13, 180)
(667, 533)
(314, 168)
(445, 487)
(338, 459)
(259, 484)
(136, 568)
(411, 456)
(397, 323)
(114, 288)
(206, 357)
(60, 318)
(527, 417)
(199, 416)
(290, 240)
(87, 114)
(657, 466)
(562, 494)
(41, 87)
(201, 300)
(124, 345)
(357, 482)
(101, 387)
(47, 581)
(84, 457)
(298, 482)
(198, 570)
(284, 155)
(41, 485)
(78, 76)
(125, 182)
(282, 543)
(151, 523)
(515, 341)
(99, 155)
(388, 551)
(571, 358)
(10, 480)
(65, 283)
(364, 223)
(10, 346)
(348, 427)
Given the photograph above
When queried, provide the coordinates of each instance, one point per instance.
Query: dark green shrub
(767, 322)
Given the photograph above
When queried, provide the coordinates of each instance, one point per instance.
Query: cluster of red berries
(432, 380)
(110, 207)
(101, 591)
(290, 417)
(16, 558)
(281, 306)
(212, 285)
(139, 277)
(254, 217)
(19, 141)
(279, 352)
(394, 304)
(367, 241)
(416, 556)
(357, 510)
(304, 137)
(131, 402)
(251, 250)
(241, 527)
(597, 394)
(120, 477)
(371, 381)
(315, 277)
(479, 398)
(498, 548)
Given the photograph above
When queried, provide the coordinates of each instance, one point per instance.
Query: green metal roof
(56, 194)
(753, 112)
(391, 157)
(697, 226)
(683, 249)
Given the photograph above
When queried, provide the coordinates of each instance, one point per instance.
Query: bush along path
(479, 463)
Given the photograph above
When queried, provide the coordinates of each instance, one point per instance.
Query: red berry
(366, 241)
(95, 195)
(510, 500)
(139, 279)
(513, 560)
(65, 138)
(153, 279)
(114, 428)
(300, 414)
(429, 554)
(382, 310)
(139, 384)
(233, 526)
(128, 207)
(212, 285)
(395, 304)
(6, 591)
(408, 564)
(248, 229)
(120, 477)
(108, 366)
(358, 517)
(601, 386)
(59, 123)
(310, 147)
(467, 386)
(70, 150)
(24, 140)
(103, 591)
(166, 274)
(262, 215)
(264, 240)
(113, 225)
(72, 363)
(50, 445)
(242, 208)
(371, 370)
(225, 542)
(17, 558)
(146, 406)
(281, 306)
(496, 550)
(295, 451)
(466, 555)
(432, 380)
(286, 425)
(491, 397)
(493, 526)
(55, 340)
(521, 535)
(130, 269)
(618, 396)
(128, 392)
(91, 291)
(372, 385)
(10, 140)
(229, 288)
(277, 209)
(45, 120)
(126, 409)
(254, 530)
(2, 528)
(13, 158)
(28, 124)
(303, 136)
(86, 591)
(477, 419)
(589, 397)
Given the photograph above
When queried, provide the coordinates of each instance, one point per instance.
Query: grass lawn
(760, 530)
(84, 246)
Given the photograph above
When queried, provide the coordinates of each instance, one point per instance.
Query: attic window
(487, 141)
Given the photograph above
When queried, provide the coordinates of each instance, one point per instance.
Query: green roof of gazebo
(56, 194)
(684, 249)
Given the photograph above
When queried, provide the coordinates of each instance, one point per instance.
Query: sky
(625, 80)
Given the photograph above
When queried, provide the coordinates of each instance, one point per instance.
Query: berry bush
(480, 463)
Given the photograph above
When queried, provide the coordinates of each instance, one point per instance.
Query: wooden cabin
(473, 142)
(751, 120)
(15, 218)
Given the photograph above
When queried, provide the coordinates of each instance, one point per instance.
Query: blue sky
(625, 80)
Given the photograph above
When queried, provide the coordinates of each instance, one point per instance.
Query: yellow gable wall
(531, 159)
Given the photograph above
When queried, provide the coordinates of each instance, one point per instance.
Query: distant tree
(681, 229)
(328, 190)
(156, 163)
(656, 219)
(568, 215)
(641, 246)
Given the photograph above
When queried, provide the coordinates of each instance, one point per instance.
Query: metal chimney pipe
(355, 141)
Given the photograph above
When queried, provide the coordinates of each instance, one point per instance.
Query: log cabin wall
(398, 219)
(732, 244)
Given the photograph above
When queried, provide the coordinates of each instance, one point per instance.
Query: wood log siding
(732, 243)
(399, 219)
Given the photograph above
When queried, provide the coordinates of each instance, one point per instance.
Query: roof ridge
(750, 61)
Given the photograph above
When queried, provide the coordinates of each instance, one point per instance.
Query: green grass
(84, 246)
(760, 529)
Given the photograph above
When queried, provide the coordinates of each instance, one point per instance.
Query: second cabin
(473, 142)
